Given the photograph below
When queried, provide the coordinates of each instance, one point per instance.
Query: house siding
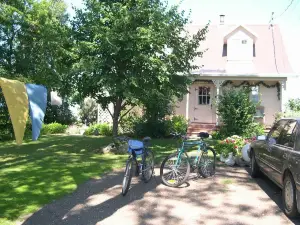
(270, 102)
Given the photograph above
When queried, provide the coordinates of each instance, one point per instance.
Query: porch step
(196, 128)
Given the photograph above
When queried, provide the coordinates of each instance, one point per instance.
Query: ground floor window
(254, 95)
(204, 95)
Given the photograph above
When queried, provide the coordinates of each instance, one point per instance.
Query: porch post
(187, 104)
(282, 94)
(218, 84)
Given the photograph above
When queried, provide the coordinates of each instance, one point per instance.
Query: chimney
(222, 17)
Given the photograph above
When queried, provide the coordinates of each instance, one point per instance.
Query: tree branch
(109, 112)
(125, 113)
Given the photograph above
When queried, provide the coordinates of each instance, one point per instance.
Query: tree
(35, 47)
(88, 111)
(35, 43)
(132, 51)
(236, 111)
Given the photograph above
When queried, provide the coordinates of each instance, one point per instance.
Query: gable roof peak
(229, 33)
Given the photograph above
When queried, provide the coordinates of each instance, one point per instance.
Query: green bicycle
(176, 167)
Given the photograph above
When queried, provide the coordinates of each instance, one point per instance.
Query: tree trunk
(116, 115)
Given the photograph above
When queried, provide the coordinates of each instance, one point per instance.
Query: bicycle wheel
(174, 175)
(207, 163)
(127, 177)
(148, 165)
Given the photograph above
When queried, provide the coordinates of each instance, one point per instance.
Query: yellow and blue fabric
(37, 96)
(17, 103)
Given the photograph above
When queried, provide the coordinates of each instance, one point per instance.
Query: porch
(199, 105)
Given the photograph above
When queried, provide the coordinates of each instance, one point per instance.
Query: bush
(254, 129)
(99, 129)
(155, 129)
(53, 128)
(236, 110)
(178, 124)
(217, 135)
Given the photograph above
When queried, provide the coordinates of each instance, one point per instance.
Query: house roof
(265, 60)
(230, 32)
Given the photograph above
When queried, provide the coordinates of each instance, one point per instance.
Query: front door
(203, 109)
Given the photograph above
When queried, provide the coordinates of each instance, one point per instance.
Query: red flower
(227, 141)
(235, 146)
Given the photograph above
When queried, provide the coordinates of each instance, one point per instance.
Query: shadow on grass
(37, 172)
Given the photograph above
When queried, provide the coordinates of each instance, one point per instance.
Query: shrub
(155, 129)
(128, 122)
(178, 124)
(99, 129)
(294, 104)
(254, 129)
(53, 128)
(217, 135)
(236, 110)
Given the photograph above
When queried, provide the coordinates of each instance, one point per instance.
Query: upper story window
(244, 41)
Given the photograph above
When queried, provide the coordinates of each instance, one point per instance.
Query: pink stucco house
(237, 55)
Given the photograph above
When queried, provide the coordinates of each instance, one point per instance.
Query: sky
(245, 12)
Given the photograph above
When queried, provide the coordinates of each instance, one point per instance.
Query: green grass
(36, 173)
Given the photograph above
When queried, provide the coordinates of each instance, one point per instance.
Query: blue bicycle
(143, 158)
(176, 167)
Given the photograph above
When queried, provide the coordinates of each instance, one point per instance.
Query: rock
(109, 148)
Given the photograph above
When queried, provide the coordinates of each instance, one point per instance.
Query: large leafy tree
(35, 47)
(132, 51)
(35, 42)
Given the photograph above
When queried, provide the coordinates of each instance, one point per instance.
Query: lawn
(38, 172)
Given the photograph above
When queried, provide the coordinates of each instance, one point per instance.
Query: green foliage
(217, 135)
(253, 130)
(35, 43)
(135, 52)
(231, 144)
(178, 124)
(99, 129)
(128, 122)
(88, 111)
(294, 104)
(236, 110)
(53, 128)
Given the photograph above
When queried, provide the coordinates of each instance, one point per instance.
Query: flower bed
(231, 147)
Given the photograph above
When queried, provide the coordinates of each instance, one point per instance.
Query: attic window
(244, 41)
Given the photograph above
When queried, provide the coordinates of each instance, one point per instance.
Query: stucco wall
(180, 108)
(270, 102)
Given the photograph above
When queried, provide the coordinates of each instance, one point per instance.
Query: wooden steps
(196, 128)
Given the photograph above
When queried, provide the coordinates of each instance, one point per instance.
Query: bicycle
(179, 163)
(138, 149)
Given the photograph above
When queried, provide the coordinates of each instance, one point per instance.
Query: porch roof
(226, 76)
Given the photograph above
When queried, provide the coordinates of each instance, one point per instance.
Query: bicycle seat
(203, 135)
(135, 144)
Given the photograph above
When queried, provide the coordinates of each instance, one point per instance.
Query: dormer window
(239, 43)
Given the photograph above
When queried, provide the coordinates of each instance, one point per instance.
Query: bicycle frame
(201, 147)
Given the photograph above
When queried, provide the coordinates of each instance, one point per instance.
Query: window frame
(207, 94)
(274, 128)
(294, 132)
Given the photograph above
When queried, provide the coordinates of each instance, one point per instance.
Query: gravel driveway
(231, 197)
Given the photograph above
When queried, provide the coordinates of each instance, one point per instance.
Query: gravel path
(231, 197)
